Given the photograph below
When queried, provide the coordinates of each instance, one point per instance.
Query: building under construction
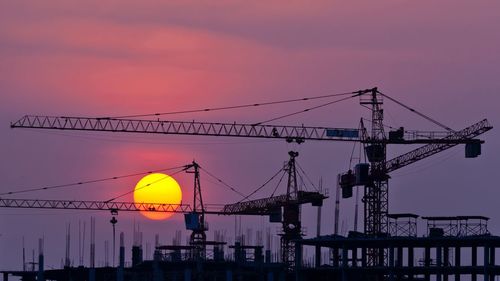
(460, 248)
(388, 248)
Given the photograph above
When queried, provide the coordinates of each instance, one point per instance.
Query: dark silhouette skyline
(98, 59)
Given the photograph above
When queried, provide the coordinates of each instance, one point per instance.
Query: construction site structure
(284, 209)
(373, 255)
(375, 175)
(456, 248)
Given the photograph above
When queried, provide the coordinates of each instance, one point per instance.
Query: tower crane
(373, 177)
(272, 206)
(283, 208)
(376, 179)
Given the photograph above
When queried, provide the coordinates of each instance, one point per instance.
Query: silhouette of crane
(376, 178)
(195, 214)
(373, 177)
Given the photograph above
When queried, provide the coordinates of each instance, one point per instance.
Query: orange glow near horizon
(157, 188)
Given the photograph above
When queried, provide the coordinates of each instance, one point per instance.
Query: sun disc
(160, 189)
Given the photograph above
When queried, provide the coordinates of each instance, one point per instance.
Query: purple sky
(128, 57)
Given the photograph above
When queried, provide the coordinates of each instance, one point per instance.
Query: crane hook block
(347, 182)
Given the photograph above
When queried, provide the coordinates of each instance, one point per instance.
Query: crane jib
(289, 133)
(299, 133)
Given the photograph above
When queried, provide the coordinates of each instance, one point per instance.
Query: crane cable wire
(360, 127)
(418, 113)
(260, 187)
(307, 177)
(230, 107)
(87, 182)
(184, 168)
(278, 184)
(222, 182)
(306, 110)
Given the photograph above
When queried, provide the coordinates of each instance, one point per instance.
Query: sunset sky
(114, 58)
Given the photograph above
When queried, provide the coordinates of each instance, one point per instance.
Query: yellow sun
(157, 188)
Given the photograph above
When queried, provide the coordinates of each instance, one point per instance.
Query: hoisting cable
(307, 177)
(231, 107)
(352, 156)
(184, 168)
(278, 184)
(222, 182)
(260, 187)
(360, 128)
(87, 182)
(305, 110)
(418, 113)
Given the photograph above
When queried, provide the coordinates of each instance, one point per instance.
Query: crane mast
(292, 227)
(376, 194)
(376, 191)
(195, 220)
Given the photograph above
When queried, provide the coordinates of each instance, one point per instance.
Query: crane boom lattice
(425, 151)
(92, 205)
(187, 128)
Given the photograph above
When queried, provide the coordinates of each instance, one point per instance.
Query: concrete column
(391, 264)
(492, 261)
(363, 257)
(457, 262)
(427, 262)
(474, 262)
(399, 261)
(92, 274)
(486, 262)
(410, 261)
(354, 254)
(381, 257)
(439, 263)
(492, 255)
(92, 250)
(345, 252)
(335, 257)
(268, 256)
(40, 276)
(446, 256)
(391, 257)
(345, 256)
(318, 234)
(157, 272)
(121, 264)
(446, 261)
